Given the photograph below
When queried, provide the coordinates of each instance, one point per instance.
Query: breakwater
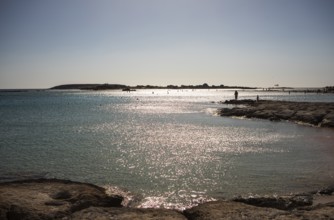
(318, 114)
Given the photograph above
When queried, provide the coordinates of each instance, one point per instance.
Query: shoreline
(315, 114)
(65, 199)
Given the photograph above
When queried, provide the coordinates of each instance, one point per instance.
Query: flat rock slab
(313, 113)
(235, 210)
(64, 199)
(127, 214)
(230, 210)
(50, 198)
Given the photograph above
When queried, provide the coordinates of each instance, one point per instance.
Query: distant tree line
(107, 86)
(329, 89)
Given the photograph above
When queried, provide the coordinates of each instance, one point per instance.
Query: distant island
(107, 86)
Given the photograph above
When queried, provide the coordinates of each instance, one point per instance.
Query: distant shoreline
(120, 86)
(327, 89)
(99, 87)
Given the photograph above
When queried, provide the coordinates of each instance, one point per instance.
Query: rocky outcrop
(237, 210)
(312, 205)
(318, 114)
(230, 210)
(50, 198)
(63, 199)
(127, 214)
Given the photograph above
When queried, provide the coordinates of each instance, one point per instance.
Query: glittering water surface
(168, 146)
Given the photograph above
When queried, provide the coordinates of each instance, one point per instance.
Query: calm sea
(168, 146)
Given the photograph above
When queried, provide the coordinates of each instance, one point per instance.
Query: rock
(318, 114)
(127, 213)
(310, 117)
(50, 198)
(285, 114)
(61, 195)
(323, 212)
(230, 210)
(63, 199)
(236, 210)
(263, 114)
(327, 191)
(283, 203)
(328, 120)
(240, 102)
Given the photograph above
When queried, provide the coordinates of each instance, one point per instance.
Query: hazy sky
(232, 42)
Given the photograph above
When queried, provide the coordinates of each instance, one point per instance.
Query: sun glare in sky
(161, 42)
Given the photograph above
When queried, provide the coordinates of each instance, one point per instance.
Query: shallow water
(166, 145)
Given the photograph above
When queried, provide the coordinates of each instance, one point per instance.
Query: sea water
(168, 147)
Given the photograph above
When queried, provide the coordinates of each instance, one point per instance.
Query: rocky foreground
(63, 199)
(317, 114)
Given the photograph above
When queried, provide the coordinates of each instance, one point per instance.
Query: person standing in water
(236, 95)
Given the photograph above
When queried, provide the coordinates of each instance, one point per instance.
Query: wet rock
(328, 120)
(240, 102)
(285, 114)
(318, 114)
(283, 203)
(327, 191)
(310, 117)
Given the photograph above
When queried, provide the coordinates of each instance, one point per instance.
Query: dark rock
(265, 114)
(310, 117)
(327, 191)
(240, 102)
(283, 203)
(63, 199)
(328, 120)
(61, 195)
(285, 114)
(318, 114)
(230, 210)
(55, 203)
(127, 213)
(50, 198)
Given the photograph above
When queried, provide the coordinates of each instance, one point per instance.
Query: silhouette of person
(236, 95)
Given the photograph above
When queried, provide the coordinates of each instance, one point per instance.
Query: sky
(44, 43)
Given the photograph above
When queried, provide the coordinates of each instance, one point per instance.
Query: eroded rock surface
(235, 210)
(63, 199)
(318, 114)
(50, 198)
(127, 214)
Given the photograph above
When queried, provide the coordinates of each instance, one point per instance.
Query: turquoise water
(167, 146)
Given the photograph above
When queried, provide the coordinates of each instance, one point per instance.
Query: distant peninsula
(107, 86)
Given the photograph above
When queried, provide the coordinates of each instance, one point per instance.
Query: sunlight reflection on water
(168, 147)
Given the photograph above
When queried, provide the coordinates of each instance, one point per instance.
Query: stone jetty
(312, 113)
(64, 199)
